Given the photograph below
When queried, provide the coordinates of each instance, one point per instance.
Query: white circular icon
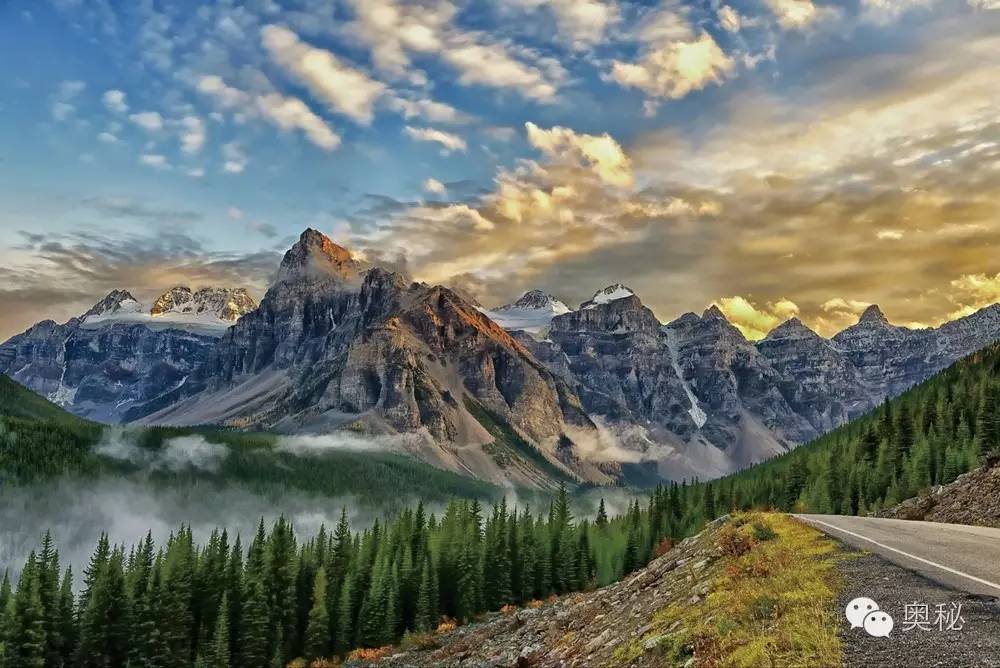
(878, 623)
(858, 609)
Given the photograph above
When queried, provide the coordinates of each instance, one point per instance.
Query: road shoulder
(977, 643)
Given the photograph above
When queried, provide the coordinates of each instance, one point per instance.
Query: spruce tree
(317, 639)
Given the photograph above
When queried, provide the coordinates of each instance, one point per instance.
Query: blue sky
(702, 151)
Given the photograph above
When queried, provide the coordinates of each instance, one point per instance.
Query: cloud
(62, 111)
(889, 234)
(675, 68)
(580, 23)
(87, 265)
(176, 455)
(108, 138)
(234, 213)
(154, 160)
(287, 113)
(317, 445)
(115, 101)
(798, 14)
(290, 113)
(235, 158)
(151, 121)
(494, 66)
(434, 187)
(429, 110)
(888, 11)
(601, 153)
(972, 292)
(450, 142)
(345, 89)
(193, 134)
(729, 19)
(228, 96)
(69, 89)
(754, 320)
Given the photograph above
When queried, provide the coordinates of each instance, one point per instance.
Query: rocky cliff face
(118, 355)
(337, 345)
(708, 401)
(99, 373)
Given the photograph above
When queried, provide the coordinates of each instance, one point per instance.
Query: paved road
(963, 557)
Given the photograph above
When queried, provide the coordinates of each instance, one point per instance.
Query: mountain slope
(336, 345)
(19, 402)
(925, 437)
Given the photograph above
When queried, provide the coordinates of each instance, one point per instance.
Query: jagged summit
(226, 304)
(116, 302)
(536, 300)
(532, 312)
(873, 315)
(713, 312)
(314, 255)
(607, 295)
(793, 328)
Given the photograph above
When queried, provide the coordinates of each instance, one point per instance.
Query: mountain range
(527, 393)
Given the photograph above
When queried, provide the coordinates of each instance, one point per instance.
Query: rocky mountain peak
(226, 304)
(793, 328)
(609, 294)
(117, 301)
(873, 315)
(536, 300)
(314, 255)
(713, 312)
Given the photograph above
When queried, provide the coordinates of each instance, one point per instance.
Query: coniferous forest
(276, 597)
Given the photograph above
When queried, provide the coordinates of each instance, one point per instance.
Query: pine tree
(217, 653)
(425, 608)
(27, 634)
(317, 640)
(602, 515)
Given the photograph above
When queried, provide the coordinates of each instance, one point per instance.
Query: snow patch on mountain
(531, 313)
(697, 413)
(608, 295)
(209, 311)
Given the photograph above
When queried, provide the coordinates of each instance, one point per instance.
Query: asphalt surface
(964, 558)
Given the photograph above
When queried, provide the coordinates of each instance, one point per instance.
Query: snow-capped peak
(538, 301)
(531, 313)
(226, 304)
(207, 311)
(608, 295)
(118, 302)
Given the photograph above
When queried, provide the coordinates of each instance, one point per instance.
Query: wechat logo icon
(865, 613)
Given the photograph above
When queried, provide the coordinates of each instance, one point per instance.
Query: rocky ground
(588, 629)
(972, 498)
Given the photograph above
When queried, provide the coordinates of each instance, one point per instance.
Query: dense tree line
(927, 436)
(266, 603)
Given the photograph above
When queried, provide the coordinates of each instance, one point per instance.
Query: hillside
(718, 598)
(17, 401)
(927, 436)
(39, 441)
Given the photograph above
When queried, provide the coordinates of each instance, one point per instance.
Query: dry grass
(772, 601)
(374, 654)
